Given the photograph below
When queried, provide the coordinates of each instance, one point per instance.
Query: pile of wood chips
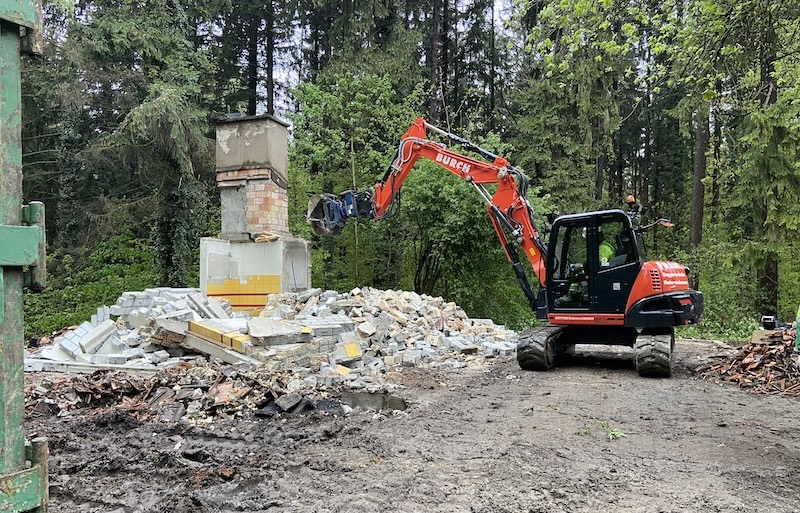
(767, 365)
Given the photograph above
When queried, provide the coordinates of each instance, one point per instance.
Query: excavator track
(652, 353)
(536, 348)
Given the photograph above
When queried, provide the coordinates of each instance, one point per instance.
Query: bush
(81, 281)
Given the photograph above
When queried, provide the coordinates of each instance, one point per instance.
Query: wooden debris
(767, 365)
(195, 393)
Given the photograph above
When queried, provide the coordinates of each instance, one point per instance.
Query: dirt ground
(487, 438)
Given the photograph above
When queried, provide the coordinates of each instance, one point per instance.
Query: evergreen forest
(693, 106)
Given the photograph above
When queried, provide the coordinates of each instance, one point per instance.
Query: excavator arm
(508, 207)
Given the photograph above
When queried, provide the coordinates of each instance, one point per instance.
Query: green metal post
(23, 466)
(12, 441)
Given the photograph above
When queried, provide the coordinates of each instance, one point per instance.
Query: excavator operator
(606, 251)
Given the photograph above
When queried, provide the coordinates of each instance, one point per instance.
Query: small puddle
(373, 400)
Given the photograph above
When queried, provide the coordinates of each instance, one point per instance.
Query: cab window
(616, 243)
(571, 251)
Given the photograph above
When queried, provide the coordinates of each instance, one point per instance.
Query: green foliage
(593, 99)
(729, 290)
(612, 433)
(346, 130)
(81, 280)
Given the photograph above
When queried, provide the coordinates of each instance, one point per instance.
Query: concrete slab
(270, 332)
(217, 351)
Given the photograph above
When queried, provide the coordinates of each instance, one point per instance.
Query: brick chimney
(252, 155)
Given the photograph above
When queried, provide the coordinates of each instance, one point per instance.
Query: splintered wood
(768, 365)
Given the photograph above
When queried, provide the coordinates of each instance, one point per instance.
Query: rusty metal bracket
(24, 246)
(26, 490)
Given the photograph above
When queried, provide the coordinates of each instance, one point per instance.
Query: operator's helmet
(630, 200)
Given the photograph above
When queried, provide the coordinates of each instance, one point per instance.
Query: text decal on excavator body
(456, 164)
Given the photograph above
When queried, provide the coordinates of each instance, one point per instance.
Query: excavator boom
(508, 207)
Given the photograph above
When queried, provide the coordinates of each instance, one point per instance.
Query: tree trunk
(492, 64)
(715, 177)
(270, 57)
(768, 281)
(599, 177)
(252, 65)
(444, 46)
(699, 172)
(644, 195)
(435, 61)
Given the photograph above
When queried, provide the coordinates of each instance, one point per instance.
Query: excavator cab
(593, 260)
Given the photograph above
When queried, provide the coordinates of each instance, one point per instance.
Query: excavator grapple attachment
(326, 215)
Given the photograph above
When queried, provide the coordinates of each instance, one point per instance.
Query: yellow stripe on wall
(248, 293)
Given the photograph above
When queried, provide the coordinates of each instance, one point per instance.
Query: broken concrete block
(376, 365)
(348, 337)
(169, 362)
(366, 329)
(217, 351)
(111, 345)
(92, 341)
(347, 352)
(157, 356)
(341, 370)
(31, 365)
(317, 359)
(132, 339)
(427, 353)
(303, 297)
(137, 318)
(270, 332)
(283, 312)
(215, 307)
(133, 353)
(184, 315)
(412, 357)
(115, 359)
(70, 347)
(288, 401)
(54, 352)
(94, 359)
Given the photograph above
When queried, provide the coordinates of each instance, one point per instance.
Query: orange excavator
(596, 285)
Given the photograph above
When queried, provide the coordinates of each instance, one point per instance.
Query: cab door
(568, 272)
(615, 262)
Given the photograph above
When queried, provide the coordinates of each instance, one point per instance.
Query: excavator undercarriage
(539, 349)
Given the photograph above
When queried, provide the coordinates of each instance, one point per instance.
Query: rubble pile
(146, 333)
(391, 327)
(300, 342)
(766, 366)
(196, 394)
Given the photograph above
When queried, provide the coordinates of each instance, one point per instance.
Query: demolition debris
(333, 337)
(196, 394)
(767, 365)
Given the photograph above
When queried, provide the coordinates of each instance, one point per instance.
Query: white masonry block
(92, 341)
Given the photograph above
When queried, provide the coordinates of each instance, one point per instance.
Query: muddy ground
(487, 438)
